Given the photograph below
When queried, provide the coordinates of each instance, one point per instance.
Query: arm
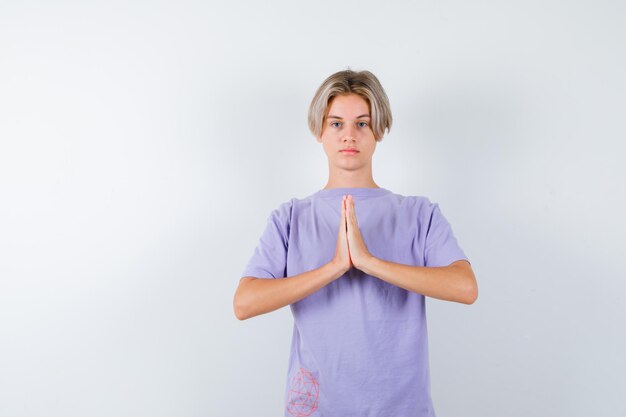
(455, 282)
(255, 296)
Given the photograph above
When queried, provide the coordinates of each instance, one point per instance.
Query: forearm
(450, 283)
(256, 296)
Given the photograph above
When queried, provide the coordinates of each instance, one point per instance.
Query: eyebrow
(330, 116)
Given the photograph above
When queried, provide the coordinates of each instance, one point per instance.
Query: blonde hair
(362, 83)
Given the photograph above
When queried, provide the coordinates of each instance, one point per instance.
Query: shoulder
(418, 203)
(294, 205)
(282, 212)
(285, 211)
(418, 209)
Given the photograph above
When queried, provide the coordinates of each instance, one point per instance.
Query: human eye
(363, 124)
(334, 124)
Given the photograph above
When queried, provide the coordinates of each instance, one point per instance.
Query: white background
(144, 144)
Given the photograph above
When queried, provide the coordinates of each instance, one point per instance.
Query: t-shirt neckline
(354, 191)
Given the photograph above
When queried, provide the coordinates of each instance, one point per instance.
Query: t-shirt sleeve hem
(447, 260)
(257, 273)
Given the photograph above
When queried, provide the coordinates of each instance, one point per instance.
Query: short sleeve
(441, 247)
(269, 259)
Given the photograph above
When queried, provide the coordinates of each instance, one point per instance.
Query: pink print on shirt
(303, 394)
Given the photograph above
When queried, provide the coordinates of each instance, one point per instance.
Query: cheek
(327, 147)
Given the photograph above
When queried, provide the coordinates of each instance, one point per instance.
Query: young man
(354, 261)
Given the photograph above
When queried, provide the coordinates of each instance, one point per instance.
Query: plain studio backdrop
(144, 145)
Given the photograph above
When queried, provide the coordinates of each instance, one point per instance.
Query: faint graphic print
(303, 394)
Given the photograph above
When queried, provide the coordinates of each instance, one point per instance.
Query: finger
(343, 213)
(351, 209)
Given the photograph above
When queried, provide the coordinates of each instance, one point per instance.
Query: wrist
(366, 264)
(336, 269)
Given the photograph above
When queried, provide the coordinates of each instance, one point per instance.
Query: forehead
(348, 106)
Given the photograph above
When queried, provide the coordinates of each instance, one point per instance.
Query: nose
(349, 134)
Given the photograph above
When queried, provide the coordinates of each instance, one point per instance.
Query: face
(347, 126)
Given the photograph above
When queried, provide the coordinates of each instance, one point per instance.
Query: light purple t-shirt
(359, 346)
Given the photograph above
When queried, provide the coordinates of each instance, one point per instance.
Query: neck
(350, 179)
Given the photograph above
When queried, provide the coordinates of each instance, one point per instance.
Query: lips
(349, 150)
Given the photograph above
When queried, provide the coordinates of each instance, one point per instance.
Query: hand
(359, 254)
(342, 253)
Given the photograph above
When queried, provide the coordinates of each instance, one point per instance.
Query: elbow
(466, 285)
(470, 294)
(240, 316)
(239, 306)
(239, 311)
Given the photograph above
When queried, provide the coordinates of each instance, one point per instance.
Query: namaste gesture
(351, 249)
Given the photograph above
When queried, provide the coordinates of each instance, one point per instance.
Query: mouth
(349, 151)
